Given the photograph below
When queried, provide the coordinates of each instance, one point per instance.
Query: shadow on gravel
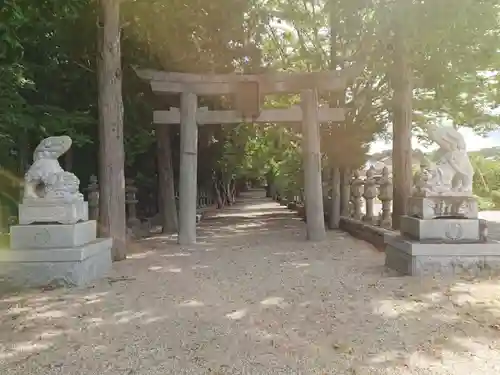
(208, 309)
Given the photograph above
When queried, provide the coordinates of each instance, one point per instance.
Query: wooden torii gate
(248, 89)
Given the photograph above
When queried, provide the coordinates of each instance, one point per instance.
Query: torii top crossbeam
(269, 83)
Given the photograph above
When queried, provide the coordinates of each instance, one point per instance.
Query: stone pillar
(345, 191)
(131, 202)
(357, 193)
(312, 167)
(202, 198)
(199, 200)
(93, 198)
(370, 192)
(188, 169)
(385, 197)
(334, 218)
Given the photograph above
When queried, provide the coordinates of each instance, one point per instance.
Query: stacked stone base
(55, 254)
(441, 246)
(419, 259)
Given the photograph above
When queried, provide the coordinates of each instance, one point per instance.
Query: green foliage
(485, 203)
(48, 82)
(487, 175)
(495, 197)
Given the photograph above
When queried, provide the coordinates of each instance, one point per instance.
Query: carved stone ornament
(452, 174)
(431, 207)
(51, 194)
(45, 179)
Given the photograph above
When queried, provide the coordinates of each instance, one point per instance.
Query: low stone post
(131, 202)
(93, 198)
(357, 194)
(203, 199)
(370, 192)
(345, 192)
(385, 196)
(334, 209)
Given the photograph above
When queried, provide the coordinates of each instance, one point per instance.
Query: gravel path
(254, 298)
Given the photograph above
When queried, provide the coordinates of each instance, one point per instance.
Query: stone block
(441, 230)
(443, 206)
(61, 267)
(419, 259)
(53, 211)
(375, 235)
(52, 236)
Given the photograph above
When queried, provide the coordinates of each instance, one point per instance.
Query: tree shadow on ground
(402, 325)
(263, 302)
(215, 228)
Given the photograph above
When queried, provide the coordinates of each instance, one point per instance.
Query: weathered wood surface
(205, 117)
(112, 154)
(312, 168)
(402, 123)
(168, 205)
(345, 191)
(221, 84)
(188, 169)
(334, 218)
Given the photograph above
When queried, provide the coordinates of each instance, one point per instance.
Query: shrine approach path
(253, 297)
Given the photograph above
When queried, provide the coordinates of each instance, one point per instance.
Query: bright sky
(474, 142)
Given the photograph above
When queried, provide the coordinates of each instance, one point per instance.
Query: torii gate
(248, 89)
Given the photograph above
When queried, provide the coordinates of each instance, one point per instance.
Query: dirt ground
(253, 297)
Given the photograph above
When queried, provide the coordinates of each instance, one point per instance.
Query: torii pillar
(310, 114)
(188, 169)
(311, 149)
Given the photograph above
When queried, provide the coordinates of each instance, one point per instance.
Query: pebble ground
(253, 297)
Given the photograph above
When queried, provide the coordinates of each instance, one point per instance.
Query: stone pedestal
(54, 243)
(443, 230)
(53, 236)
(446, 246)
(430, 207)
(55, 254)
(419, 259)
(53, 211)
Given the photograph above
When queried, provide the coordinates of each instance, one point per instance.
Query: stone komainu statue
(453, 172)
(45, 178)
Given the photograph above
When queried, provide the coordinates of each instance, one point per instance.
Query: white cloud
(474, 142)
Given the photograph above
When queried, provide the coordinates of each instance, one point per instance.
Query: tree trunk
(168, 206)
(334, 214)
(336, 100)
(401, 144)
(112, 155)
(218, 196)
(23, 148)
(225, 192)
(232, 191)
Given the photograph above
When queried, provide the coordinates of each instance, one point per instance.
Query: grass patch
(4, 241)
(485, 204)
